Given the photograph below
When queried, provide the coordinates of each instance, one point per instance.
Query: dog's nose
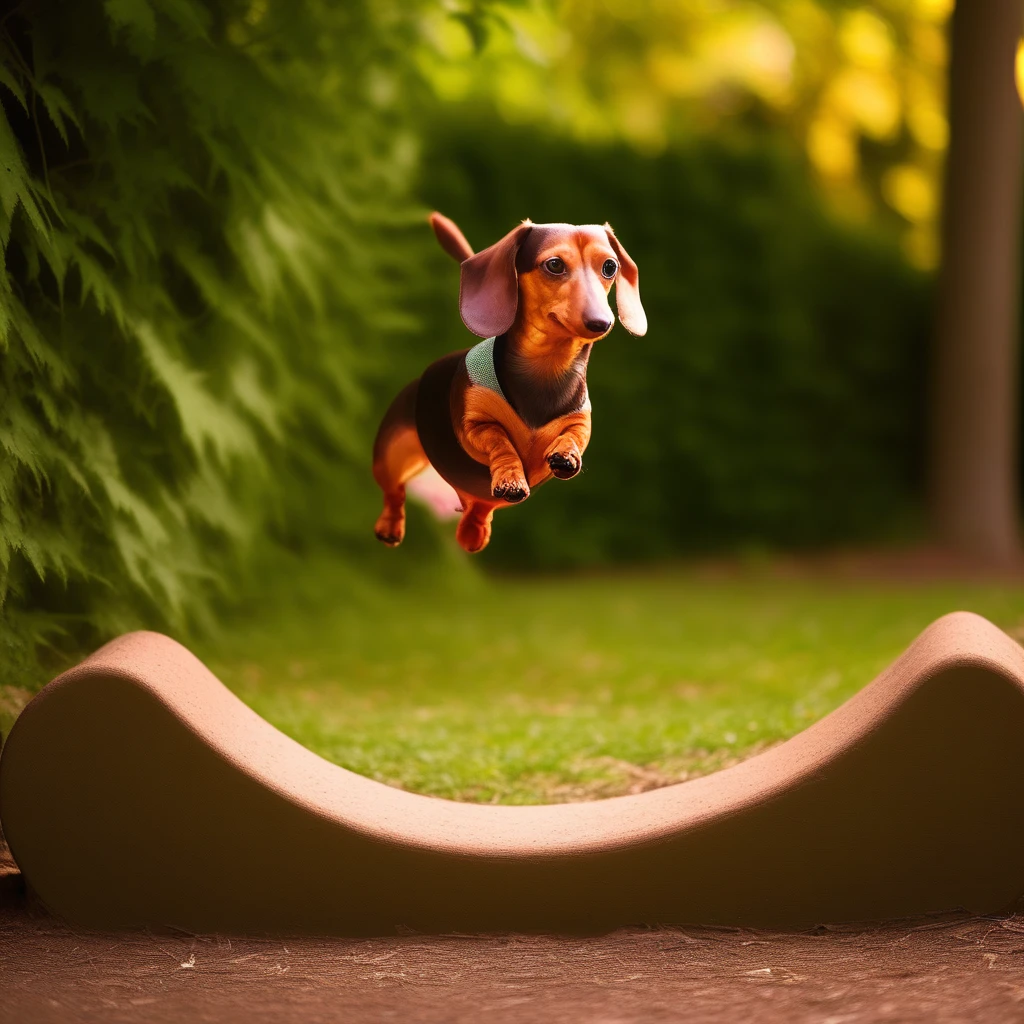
(598, 326)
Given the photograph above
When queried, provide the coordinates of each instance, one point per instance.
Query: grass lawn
(535, 690)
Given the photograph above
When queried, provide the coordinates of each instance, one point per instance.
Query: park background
(218, 272)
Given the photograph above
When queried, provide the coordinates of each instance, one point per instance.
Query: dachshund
(501, 418)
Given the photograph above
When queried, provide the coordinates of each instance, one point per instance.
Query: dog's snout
(598, 326)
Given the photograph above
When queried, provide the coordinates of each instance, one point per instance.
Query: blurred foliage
(860, 87)
(194, 222)
(217, 274)
(778, 396)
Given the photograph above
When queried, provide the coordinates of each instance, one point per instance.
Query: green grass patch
(530, 690)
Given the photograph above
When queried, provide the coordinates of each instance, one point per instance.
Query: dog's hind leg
(474, 530)
(397, 457)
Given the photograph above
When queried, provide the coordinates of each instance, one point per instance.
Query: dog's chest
(537, 406)
(537, 396)
(540, 397)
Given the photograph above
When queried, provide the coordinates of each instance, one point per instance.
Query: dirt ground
(941, 969)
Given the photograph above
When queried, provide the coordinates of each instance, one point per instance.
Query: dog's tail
(452, 240)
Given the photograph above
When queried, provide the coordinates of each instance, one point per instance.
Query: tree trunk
(974, 395)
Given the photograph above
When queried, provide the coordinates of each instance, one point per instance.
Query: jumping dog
(508, 414)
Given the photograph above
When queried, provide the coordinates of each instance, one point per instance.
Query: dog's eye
(555, 265)
(609, 268)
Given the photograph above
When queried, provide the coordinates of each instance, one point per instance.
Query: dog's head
(558, 277)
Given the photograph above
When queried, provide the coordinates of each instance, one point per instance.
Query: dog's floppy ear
(452, 240)
(489, 293)
(627, 289)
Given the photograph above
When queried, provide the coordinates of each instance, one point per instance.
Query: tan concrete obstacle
(137, 790)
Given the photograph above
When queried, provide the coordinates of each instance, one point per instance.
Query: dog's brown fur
(545, 324)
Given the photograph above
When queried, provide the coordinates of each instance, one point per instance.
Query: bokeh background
(218, 271)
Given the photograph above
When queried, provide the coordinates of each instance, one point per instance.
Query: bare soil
(940, 969)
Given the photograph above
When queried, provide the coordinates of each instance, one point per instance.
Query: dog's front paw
(565, 465)
(510, 487)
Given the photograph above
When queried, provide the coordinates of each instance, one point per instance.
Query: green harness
(480, 368)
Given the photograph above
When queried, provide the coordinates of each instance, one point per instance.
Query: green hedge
(193, 210)
(777, 398)
(216, 279)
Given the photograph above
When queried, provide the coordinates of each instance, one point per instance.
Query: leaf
(58, 107)
(16, 187)
(475, 26)
(98, 285)
(87, 228)
(206, 422)
(13, 85)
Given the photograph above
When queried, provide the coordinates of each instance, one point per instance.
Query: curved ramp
(136, 789)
